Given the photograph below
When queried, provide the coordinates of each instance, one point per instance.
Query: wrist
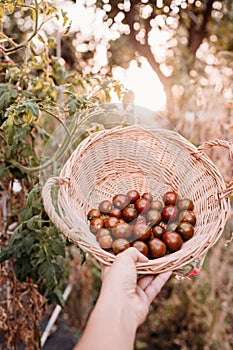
(113, 315)
(118, 310)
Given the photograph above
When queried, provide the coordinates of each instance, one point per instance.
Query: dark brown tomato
(158, 231)
(170, 198)
(157, 248)
(142, 205)
(106, 242)
(171, 226)
(186, 230)
(148, 196)
(115, 212)
(141, 231)
(153, 217)
(120, 201)
(141, 246)
(105, 206)
(156, 205)
(130, 214)
(173, 241)
(133, 195)
(93, 213)
(187, 216)
(122, 230)
(102, 232)
(111, 222)
(169, 213)
(119, 245)
(185, 204)
(96, 224)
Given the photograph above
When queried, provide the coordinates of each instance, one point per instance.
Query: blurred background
(174, 59)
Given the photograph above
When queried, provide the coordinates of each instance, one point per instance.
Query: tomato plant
(37, 93)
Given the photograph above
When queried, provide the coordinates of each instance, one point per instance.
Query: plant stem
(76, 123)
(57, 118)
(24, 44)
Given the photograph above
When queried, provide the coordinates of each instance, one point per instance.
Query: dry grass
(200, 131)
(195, 313)
(85, 279)
(21, 308)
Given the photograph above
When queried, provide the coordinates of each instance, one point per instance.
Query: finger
(156, 285)
(133, 254)
(127, 258)
(144, 281)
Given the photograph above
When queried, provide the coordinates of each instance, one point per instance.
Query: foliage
(35, 247)
(37, 93)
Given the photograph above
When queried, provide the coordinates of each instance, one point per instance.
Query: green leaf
(27, 244)
(107, 95)
(56, 295)
(4, 171)
(10, 133)
(72, 107)
(57, 247)
(47, 270)
(33, 195)
(17, 235)
(6, 254)
(27, 94)
(22, 268)
(27, 151)
(32, 108)
(34, 222)
(67, 30)
(39, 257)
(105, 84)
(25, 214)
(6, 97)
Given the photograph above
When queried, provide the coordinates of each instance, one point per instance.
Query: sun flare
(143, 81)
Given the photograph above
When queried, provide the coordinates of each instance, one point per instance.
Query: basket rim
(160, 264)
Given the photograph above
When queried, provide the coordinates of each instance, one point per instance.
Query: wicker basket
(147, 159)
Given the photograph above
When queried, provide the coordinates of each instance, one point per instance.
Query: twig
(24, 44)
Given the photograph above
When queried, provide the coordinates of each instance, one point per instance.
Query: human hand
(121, 287)
(123, 304)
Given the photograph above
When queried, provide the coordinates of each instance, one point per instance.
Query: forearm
(108, 328)
(122, 306)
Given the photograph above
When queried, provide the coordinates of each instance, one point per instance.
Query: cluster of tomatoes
(152, 226)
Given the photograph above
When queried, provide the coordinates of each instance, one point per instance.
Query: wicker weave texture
(136, 157)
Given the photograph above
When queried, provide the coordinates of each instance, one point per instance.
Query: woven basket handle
(226, 144)
(48, 202)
